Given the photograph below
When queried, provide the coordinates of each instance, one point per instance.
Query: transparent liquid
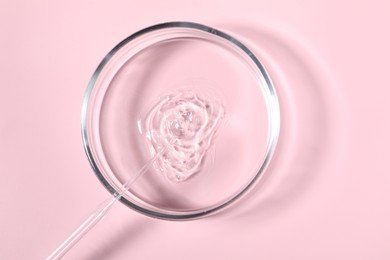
(182, 125)
(238, 146)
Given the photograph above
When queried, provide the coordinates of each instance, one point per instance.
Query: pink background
(326, 195)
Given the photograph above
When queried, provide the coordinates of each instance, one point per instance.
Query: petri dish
(162, 59)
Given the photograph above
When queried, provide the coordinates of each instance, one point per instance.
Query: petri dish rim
(274, 111)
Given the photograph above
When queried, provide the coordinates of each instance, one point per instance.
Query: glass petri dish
(155, 61)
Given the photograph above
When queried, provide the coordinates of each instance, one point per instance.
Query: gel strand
(183, 125)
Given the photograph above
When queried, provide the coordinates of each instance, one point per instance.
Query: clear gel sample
(183, 124)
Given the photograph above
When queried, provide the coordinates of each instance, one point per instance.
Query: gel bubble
(181, 126)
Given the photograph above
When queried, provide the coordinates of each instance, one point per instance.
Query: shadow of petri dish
(308, 98)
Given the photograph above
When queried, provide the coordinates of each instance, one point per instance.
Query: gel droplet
(182, 124)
